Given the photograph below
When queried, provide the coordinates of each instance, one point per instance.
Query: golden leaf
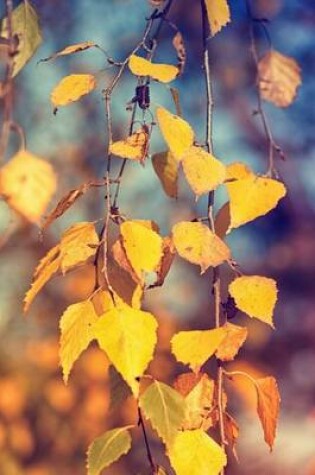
(76, 48)
(234, 338)
(253, 197)
(268, 407)
(47, 267)
(203, 172)
(142, 67)
(128, 336)
(134, 147)
(177, 133)
(198, 390)
(76, 334)
(77, 245)
(72, 88)
(195, 347)
(218, 14)
(197, 244)
(143, 247)
(279, 78)
(195, 453)
(238, 171)
(256, 296)
(28, 183)
(166, 168)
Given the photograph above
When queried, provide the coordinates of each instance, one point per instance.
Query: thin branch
(146, 442)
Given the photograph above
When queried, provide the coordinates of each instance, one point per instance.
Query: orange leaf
(233, 340)
(231, 431)
(268, 407)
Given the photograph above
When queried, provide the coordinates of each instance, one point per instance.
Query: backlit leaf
(143, 247)
(177, 133)
(76, 48)
(134, 147)
(268, 407)
(128, 336)
(198, 245)
(232, 342)
(218, 14)
(47, 267)
(195, 347)
(25, 25)
(108, 448)
(203, 172)
(28, 183)
(72, 88)
(76, 334)
(279, 78)
(253, 197)
(77, 245)
(195, 453)
(142, 67)
(166, 168)
(256, 296)
(165, 409)
(238, 171)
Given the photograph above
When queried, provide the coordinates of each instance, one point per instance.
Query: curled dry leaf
(198, 245)
(231, 431)
(279, 78)
(218, 15)
(161, 72)
(179, 45)
(72, 88)
(268, 407)
(256, 296)
(28, 183)
(76, 48)
(177, 133)
(234, 339)
(134, 147)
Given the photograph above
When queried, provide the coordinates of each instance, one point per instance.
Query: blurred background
(45, 427)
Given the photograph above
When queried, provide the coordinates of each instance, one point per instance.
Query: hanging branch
(216, 283)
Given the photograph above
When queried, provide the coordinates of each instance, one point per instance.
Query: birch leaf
(218, 15)
(256, 296)
(195, 347)
(161, 72)
(198, 245)
(108, 448)
(177, 133)
(166, 168)
(165, 409)
(71, 88)
(253, 197)
(76, 48)
(203, 171)
(268, 407)
(238, 171)
(134, 147)
(128, 336)
(195, 453)
(234, 339)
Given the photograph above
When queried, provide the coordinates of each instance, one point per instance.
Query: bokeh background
(46, 427)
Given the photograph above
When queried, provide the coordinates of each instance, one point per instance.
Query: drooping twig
(146, 442)
(216, 285)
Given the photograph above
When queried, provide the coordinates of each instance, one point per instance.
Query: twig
(146, 442)
(216, 271)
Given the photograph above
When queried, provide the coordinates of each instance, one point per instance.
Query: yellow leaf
(279, 78)
(256, 296)
(76, 48)
(203, 172)
(197, 244)
(166, 168)
(143, 246)
(76, 335)
(177, 133)
(218, 14)
(232, 342)
(72, 88)
(238, 171)
(128, 337)
(195, 347)
(268, 407)
(28, 183)
(195, 453)
(77, 245)
(47, 267)
(162, 72)
(134, 147)
(198, 390)
(253, 197)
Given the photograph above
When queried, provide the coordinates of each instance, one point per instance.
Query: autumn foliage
(128, 257)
